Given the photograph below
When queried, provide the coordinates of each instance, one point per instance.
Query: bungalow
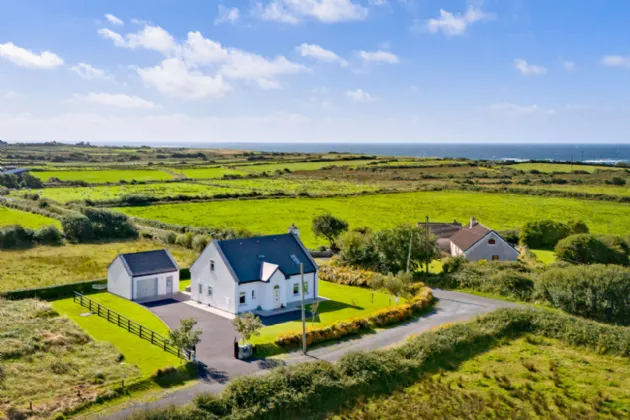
(261, 273)
(143, 276)
(473, 241)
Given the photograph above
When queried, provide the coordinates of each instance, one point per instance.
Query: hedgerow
(309, 390)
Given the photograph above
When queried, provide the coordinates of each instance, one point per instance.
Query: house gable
(483, 242)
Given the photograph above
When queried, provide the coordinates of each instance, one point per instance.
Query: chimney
(294, 230)
(473, 222)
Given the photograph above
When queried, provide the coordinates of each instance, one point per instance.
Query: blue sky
(186, 71)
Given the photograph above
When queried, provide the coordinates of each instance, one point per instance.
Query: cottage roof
(443, 230)
(469, 235)
(252, 258)
(149, 262)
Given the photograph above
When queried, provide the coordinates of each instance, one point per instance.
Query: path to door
(451, 307)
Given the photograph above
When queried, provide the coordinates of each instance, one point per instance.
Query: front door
(169, 285)
(276, 296)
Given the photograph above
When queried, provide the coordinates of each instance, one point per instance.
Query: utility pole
(303, 310)
(426, 229)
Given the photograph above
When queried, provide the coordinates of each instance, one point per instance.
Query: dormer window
(492, 242)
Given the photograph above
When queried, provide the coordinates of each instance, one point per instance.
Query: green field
(46, 359)
(102, 176)
(544, 256)
(338, 308)
(295, 186)
(138, 352)
(206, 173)
(623, 191)
(423, 162)
(498, 211)
(560, 167)
(47, 266)
(30, 220)
(168, 189)
(528, 378)
(300, 166)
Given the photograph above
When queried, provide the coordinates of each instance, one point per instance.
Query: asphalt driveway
(216, 349)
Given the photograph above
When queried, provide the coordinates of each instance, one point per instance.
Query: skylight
(295, 259)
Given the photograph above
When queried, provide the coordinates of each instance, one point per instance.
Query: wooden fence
(132, 326)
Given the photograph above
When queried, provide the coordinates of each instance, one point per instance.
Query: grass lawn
(98, 176)
(499, 211)
(31, 220)
(531, 377)
(47, 358)
(141, 353)
(47, 266)
(560, 167)
(204, 173)
(301, 166)
(66, 194)
(294, 186)
(544, 256)
(340, 307)
(183, 284)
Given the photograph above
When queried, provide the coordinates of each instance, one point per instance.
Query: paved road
(451, 307)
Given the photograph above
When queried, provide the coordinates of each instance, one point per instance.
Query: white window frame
(296, 292)
(211, 265)
(209, 290)
(242, 299)
(253, 294)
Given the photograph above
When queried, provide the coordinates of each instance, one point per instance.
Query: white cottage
(143, 276)
(259, 273)
(473, 241)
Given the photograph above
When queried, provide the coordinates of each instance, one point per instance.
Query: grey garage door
(146, 288)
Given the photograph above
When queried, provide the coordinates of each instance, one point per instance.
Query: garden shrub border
(421, 300)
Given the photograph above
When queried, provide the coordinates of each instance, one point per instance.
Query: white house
(150, 275)
(258, 273)
(473, 241)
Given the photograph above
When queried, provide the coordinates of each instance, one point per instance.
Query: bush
(598, 292)
(511, 236)
(16, 236)
(578, 226)
(357, 249)
(184, 239)
(49, 235)
(345, 275)
(544, 233)
(587, 249)
(110, 225)
(199, 243)
(77, 228)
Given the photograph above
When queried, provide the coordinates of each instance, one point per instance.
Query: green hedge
(67, 290)
(309, 390)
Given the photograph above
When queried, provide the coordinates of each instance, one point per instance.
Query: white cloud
(172, 77)
(227, 15)
(516, 110)
(569, 65)
(12, 95)
(360, 95)
(89, 72)
(116, 99)
(150, 38)
(527, 69)
(616, 61)
(377, 2)
(114, 20)
(378, 57)
(27, 58)
(457, 24)
(294, 11)
(321, 54)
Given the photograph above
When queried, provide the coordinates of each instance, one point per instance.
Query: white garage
(143, 276)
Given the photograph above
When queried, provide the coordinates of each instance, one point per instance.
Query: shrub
(358, 249)
(578, 226)
(598, 292)
(511, 236)
(199, 242)
(77, 228)
(110, 225)
(15, 236)
(544, 233)
(587, 249)
(49, 235)
(345, 275)
(170, 237)
(184, 239)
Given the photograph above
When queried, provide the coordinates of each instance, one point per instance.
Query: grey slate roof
(247, 255)
(443, 230)
(16, 171)
(149, 262)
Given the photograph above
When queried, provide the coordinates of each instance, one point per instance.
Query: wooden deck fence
(132, 326)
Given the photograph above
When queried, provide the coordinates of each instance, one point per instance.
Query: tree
(314, 307)
(393, 247)
(77, 228)
(329, 227)
(357, 249)
(376, 283)
(184, 336)
(544, 233)
(397, 285)
(247, 325)
(587, 249)
(30, 181)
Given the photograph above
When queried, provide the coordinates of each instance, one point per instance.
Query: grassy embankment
(98, 176)
(47, 266)
(499, 211)
(531, 377)
(28, 220)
